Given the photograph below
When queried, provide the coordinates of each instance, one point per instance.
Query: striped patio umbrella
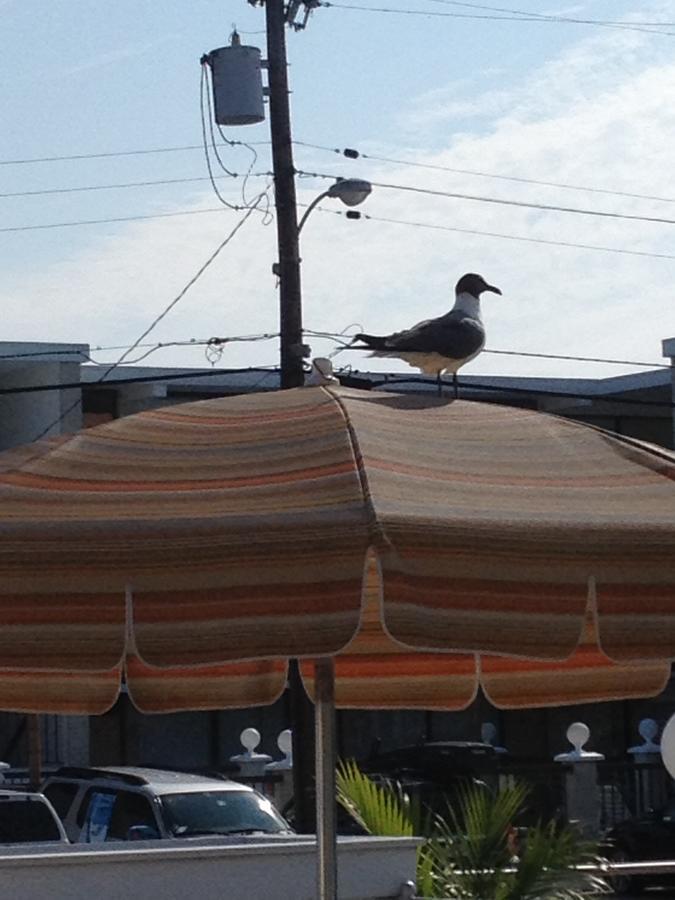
(427, 546)
(430, 546)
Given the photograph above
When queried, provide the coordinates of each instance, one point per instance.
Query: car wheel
(621, 884)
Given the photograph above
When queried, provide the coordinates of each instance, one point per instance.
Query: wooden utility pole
(290, 299)
(292, 375)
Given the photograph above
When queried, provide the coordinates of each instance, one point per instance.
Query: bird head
(474, 285)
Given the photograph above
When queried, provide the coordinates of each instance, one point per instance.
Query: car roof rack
(89, 772)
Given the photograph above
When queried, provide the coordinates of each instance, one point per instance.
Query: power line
(589, 359)
(383, 219)
(499, 18)
(338, 336)
(184, 290)
(348, 152)
(118, 186)
(106, 155)
(351, 153)
(528, 16)
(159, 345)
(512, 237)
(142, 379)
(503, 202)
(156, 320)
(496, 234)
(323, 335)
(182, 212)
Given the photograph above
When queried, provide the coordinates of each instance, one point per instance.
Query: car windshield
(220, 812)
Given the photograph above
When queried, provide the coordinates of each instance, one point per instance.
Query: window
(27, 820)
(107, 815)
(130, 809)
(61, 795)
(220, 812)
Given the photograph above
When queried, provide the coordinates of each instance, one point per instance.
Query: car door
(111, 814)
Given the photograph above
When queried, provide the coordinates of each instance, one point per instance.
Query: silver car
(127, 803)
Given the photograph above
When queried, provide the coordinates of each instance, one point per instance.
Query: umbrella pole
(326, 830)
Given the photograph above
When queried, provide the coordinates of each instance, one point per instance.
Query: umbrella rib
(377, 533)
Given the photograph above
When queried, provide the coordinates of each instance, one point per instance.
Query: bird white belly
(428, 363)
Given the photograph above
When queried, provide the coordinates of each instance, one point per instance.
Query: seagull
(444, 344)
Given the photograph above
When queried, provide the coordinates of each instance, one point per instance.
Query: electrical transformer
(236, 76)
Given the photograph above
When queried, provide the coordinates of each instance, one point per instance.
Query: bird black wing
(454, 335)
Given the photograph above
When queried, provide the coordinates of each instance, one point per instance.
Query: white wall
(369, 868)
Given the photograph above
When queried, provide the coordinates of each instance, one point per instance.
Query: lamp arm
(311, 206)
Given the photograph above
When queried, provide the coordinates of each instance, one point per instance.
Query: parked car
(430, 771)
(28, 817)
(126, 803)
(444, 762)
(642, 838)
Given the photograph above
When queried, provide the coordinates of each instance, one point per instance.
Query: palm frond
(468, 853)
(383, 810)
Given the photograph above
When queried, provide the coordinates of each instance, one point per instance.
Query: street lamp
(351, 191)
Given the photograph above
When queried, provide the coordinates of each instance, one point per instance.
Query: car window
(107, 814)
(95, 813)
(220, 812)
(61, 795)
(130, 809)
(27, 820)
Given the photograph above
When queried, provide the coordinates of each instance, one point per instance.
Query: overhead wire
(200, 271)
(547, 207)
(367, 216)
(108, 154)
(528, 15)
(206, 116)
(170, 306)
(137, 379)
(569, 358)
(653, 28)
(501, 235)
(321, 334)
(339, 335)
(119, 186)
(351, 153)
(116, 219)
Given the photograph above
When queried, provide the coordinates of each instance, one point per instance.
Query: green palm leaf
(469, 853)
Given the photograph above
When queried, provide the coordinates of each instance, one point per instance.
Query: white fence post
(283, 790)
(581, 783)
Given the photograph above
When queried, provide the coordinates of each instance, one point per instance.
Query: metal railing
(628, 789)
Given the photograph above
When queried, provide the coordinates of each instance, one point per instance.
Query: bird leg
(455, 385)
(439, 383)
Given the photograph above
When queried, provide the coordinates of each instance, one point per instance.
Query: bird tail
(372, 341)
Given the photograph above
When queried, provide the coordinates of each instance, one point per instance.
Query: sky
(468, 106)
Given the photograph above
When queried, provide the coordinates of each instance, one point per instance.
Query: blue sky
(559, 102)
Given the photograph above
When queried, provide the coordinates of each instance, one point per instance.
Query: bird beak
(495, 290)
